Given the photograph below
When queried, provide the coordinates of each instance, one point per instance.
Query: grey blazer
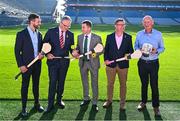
(95, 39)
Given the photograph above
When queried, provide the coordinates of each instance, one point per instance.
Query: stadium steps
(127, 21)
(76, 19)
(101, 19)
(175, 20)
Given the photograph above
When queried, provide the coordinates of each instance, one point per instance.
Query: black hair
(87, 22)
(32, 17)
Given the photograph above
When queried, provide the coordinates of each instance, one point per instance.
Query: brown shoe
(157, 112)
(141, 106)
(107, 104)
(122, 107)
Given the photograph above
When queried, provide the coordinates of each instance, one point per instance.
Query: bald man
(150, 42)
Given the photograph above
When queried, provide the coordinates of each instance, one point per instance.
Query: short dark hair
(32, 17)
(118, 20)
(87, 22)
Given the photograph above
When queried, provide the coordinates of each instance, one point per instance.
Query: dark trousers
(57, 76)
(149, 71)
(34, 71)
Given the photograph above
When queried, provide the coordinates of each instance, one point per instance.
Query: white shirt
(64, 34)
(34, 39)
(89, 40)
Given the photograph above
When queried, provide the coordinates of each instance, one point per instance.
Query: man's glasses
(65, 25)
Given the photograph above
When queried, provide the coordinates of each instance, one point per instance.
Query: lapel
(29, 38)
(114, 41)
(57, 34)
(39, 41)
(81, 39)
(91, 42)
(123, 41)
(66, 37)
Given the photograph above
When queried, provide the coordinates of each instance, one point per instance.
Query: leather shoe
(141, 106)
(157, 112)
(107, 104)
(61, 104)
(24, 113)
(85, 102)
(39, 108)
(95, 107)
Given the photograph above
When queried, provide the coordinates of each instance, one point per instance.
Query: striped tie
(61, 40)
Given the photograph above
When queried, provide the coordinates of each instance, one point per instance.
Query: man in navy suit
(117, 45)
(61, 40)
(28, 45)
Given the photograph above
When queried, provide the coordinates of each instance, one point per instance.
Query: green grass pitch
(169, 74)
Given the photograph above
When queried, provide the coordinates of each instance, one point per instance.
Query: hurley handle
(16, 77)
(30, 64)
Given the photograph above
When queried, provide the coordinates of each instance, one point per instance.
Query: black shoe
(61, 104)
(95, 107)
(39, 108)
(141, 106)
(85, 102)
(49, 109)
(157, 112)
(24, 113)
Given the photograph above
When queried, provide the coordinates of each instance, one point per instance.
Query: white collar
(61, 30)
(89, 35)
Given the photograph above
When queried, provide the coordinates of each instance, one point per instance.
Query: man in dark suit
(28, 45)
(117, 45)
(61, 40)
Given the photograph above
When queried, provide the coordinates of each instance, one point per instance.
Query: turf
(169, 77)
(169, 111)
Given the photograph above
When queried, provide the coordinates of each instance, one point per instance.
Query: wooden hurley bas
(97, 49)
(45, 49)
(136, 55)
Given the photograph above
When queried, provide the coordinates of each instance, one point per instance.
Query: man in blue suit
(117, 45)
(61, 40)
(27, 46)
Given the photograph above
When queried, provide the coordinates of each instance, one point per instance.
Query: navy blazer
(112, 52)
(52, 37)
(24, 51)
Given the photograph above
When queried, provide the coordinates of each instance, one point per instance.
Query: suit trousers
(149, 71)
(111, 75)
(34, 71)
(84, 70)
(57, 76)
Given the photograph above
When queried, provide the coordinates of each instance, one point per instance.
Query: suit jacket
(24, 51)
(112, 52)
(95, 39)
(52, 37)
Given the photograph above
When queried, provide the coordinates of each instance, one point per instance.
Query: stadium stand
(165, 12)
(15, 12)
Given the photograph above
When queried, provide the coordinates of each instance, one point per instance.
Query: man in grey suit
(87, 42)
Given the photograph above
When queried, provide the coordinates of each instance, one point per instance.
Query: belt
(149, 61)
